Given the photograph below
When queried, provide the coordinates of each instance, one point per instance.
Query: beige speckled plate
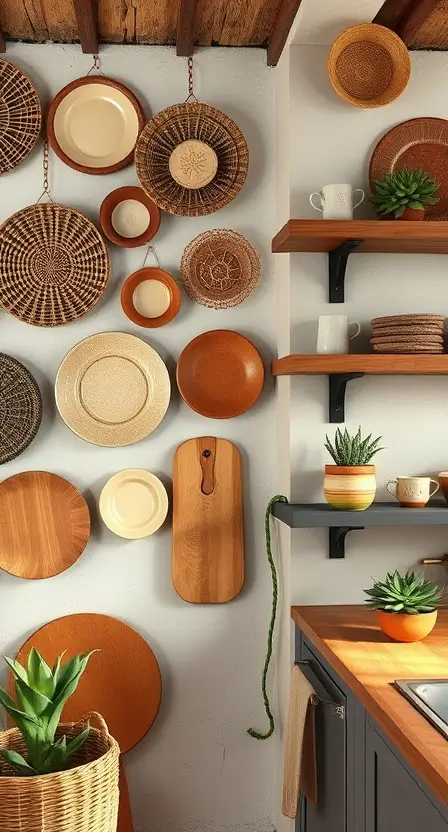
(112, 389)
(133, 503)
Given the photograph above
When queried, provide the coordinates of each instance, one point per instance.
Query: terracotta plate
(128, 217)
(45, 524)
(134, 504)
(112, 389)
(419, 144)
(150, 297)
(220, 374)
(93, 124)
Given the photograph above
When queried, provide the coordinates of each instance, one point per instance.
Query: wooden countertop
(368, 661)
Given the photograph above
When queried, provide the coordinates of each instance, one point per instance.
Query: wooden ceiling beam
(86, 12)
(185, 27)
(413, 19)
(2, 42)
(280, 32)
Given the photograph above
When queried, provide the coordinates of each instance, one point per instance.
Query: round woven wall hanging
(219, 268)
(156, 164)
(54, 265)
(20, 408)
(20, 116)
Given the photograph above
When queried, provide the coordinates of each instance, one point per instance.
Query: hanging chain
(151, 250)
(190, 80)
(45, 168)
(96, 65)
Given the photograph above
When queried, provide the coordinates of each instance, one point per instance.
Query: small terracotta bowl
(124, 212)
(133, 307)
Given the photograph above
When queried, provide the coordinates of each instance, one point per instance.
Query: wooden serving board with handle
(208, 538)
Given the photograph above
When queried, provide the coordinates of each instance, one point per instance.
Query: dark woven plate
(20, 408)
(20, 116)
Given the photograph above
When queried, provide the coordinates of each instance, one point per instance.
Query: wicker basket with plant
(404, 194)
(406, 605)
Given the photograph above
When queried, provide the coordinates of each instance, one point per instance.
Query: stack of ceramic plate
(408, 334)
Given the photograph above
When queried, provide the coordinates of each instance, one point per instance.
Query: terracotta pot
(351, 487)
(443, 480)
(405, 627)
(413, 214)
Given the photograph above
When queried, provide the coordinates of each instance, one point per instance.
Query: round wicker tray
(20, 116)
(170, 128)
(219, 268)
(54, 265)
(20, 408)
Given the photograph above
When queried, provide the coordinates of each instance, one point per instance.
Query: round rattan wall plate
(93, 124)
(20, 116)
(20, 408)
(178, 124)
(54, 265)
(128, 217)
(112, 389)
(219, 268)
(150, 297)
(369, 65)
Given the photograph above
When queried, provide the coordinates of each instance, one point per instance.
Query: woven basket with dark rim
(219, 268)
(20, 116)
(20, 408)
(166, 131)
(84, 798)
(54, 265)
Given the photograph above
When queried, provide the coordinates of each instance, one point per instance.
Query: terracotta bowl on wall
(129, 217)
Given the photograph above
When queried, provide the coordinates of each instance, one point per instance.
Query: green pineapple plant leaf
(41, 693)
(404, 189)
(352, 450)
(409, 593)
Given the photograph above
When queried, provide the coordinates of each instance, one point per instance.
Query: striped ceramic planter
(350, 487)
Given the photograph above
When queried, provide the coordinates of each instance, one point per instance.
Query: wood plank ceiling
(422, 24)
(263, 23)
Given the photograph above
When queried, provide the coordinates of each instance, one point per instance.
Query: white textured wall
(333, 142)
(197, 769)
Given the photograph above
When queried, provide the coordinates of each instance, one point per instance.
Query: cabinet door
(394, 800)
(329, 815)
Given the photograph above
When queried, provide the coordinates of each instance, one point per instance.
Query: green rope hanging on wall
(267, 706)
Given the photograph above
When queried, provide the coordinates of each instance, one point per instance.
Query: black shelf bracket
(337, 264)
(337, 387)
(337, 535)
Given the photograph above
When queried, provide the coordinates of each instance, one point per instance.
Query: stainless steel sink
(430, 697)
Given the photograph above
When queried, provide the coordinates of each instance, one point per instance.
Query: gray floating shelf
(339, 523)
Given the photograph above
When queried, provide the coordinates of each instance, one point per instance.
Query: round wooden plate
(220, 374)
(417, 144)
(129, 217)
(138, 297)
(133, 503)
(122, 682)
(45, 524)
(93, 124)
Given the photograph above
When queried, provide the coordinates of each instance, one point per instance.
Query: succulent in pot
(404, 194)
(406, 605)
(350, 483)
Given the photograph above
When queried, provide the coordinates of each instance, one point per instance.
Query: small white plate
(133, 503)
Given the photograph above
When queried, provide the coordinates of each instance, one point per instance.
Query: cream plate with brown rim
(133, 504)
(112, 389)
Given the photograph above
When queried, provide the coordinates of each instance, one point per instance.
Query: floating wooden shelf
(339, 523)
(340, 238)
(341, 369)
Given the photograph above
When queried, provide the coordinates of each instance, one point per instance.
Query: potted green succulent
(37, 792)
(404, 194)
(406, 605)
(350, 483)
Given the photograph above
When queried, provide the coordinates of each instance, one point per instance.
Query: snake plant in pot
(404, 194)
(406, 605)
(351, 483)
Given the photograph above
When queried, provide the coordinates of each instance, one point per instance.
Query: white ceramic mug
(412, 492)
(333, 334)
(336, 201)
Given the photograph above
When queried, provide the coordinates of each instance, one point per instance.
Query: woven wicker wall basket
(20, 116)
(20, 408)
(181, 123)
(54, 265)
(83, 798)
(219, 268)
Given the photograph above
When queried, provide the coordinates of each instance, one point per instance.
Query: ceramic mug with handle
(336, 202)
(333, 334)
(412, 492)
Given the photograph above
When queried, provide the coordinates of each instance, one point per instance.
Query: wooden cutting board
(44, 524)
(208, 538)
(122, 682)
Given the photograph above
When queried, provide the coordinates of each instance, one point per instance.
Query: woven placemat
(20, 116)
(54, 265)
(408, 319)
(219, 268)
(20, 408)
(405, 339)
(420, 329)
(399, 348)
